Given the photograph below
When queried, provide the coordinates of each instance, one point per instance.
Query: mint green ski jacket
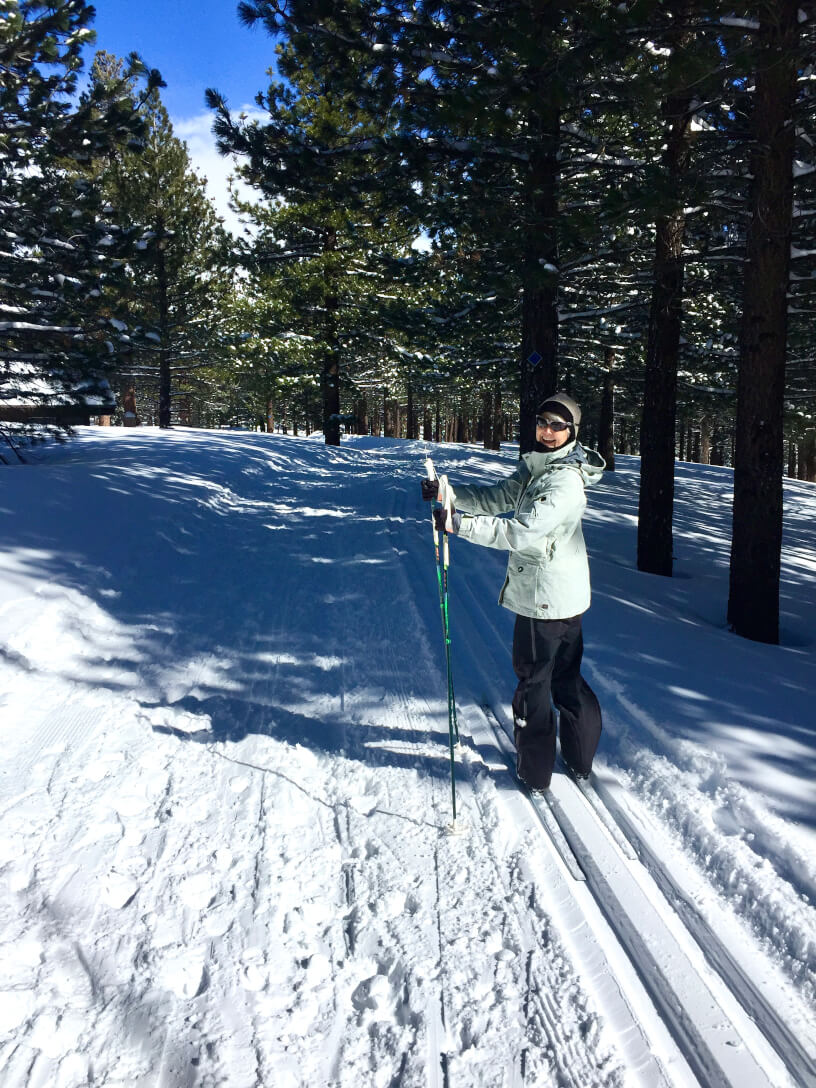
(547, 570)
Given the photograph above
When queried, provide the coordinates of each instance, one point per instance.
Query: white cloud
(197, 134)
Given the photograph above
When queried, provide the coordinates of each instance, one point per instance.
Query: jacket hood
(588, 462)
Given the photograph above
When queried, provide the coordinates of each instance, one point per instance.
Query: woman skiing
(547, 584)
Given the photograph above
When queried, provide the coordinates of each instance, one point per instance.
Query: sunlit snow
(225, 786)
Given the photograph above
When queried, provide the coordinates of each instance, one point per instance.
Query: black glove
(430, 489)
(440, 516)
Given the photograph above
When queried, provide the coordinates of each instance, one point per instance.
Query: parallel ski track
(766, 1002)
(712, 1036)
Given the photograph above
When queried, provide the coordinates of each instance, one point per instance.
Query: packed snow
(224, 782)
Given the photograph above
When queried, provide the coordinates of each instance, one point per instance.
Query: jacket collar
(538, 462)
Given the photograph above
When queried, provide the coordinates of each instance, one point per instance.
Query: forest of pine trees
(457, 207)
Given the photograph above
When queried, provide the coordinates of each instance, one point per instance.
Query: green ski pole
(442, 565)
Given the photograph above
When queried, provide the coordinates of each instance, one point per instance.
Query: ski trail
(765, 997)
(680, 818)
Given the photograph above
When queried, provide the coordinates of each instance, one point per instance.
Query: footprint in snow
(67, 977)
(118, 889)
(254, 975)
(131, 804)
(99, 769)
(175, 720)
(57, 1035)
(184, 975)
(391, 904)
(196, 892)
(373, 993)
(727, 822)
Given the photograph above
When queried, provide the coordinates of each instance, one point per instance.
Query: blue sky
(194, 43)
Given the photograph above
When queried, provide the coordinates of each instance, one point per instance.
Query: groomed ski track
(305, 917)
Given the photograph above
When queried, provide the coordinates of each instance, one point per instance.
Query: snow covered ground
(224, 787)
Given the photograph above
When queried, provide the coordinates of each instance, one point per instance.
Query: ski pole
(442, 583)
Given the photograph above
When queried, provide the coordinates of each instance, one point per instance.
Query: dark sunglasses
(546, 424)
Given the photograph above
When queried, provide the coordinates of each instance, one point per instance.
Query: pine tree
(178, 281)
(657, 432)
(485, 100)
(753, 606)
(328, 229)
(62, 250)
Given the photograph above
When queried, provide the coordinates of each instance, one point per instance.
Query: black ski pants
(547, 661)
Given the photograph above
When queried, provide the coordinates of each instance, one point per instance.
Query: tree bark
(539, 332)
(606, 426)
(756, 543)
(487, 417)
(330, 370)
(497, 428)
(705, 440)
(410, 427)
(791, 473)
(809, 457)
(165, 408)
(656, 502)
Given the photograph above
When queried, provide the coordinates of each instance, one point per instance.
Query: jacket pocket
(504, 587)
(519, 587)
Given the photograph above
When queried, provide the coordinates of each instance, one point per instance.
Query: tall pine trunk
(756, 543)
(606, 425)
(487, 417)
(410, 430)
(539, 333)
(330, 371)
(165, 411)
(498, 419)
(807, 454)
(657, 427)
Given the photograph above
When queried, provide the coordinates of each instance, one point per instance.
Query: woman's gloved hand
(446, 519)
(430, 489)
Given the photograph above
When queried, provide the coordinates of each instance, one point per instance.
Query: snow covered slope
(224, 787)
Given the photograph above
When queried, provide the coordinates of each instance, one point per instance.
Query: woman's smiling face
(552, 432)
